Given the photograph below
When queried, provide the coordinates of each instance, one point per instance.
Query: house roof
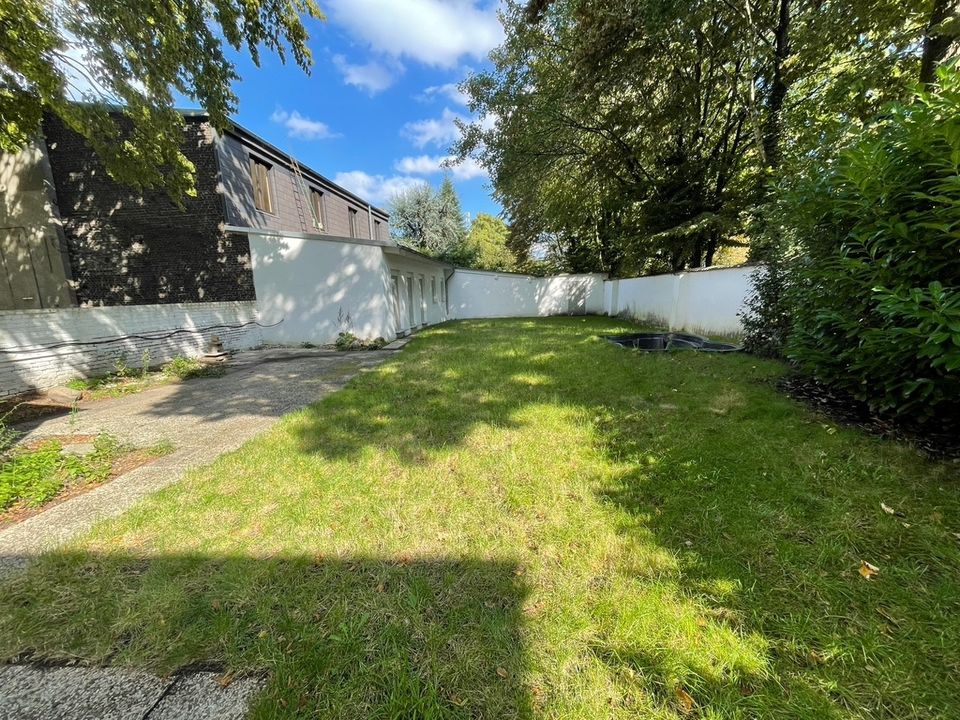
(243, 133)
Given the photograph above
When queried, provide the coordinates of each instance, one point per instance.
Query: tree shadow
(360, 637)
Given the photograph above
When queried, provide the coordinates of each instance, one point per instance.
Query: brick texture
(133, 248)
(29, 360)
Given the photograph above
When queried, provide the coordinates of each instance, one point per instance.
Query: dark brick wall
(132, 248)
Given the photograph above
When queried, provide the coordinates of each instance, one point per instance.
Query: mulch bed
(941, 441)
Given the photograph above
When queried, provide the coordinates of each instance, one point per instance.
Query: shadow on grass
(351, 637)
(741, 524)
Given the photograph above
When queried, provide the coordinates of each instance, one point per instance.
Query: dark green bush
(875, 293)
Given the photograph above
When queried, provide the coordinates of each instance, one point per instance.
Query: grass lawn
(517, 519)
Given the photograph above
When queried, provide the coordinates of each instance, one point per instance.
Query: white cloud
(440, 131)
(434, 32)
(430, 164)
(372, 76)
(447, 90)
(376, 189)
(300, 126)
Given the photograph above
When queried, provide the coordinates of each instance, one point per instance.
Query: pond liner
(663, 341)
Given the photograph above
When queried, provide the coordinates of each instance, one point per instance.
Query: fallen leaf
(225, 679)
(685, 699)
(502, 672)
(215, 604)
(867, 570)
(887, 509)
(381, 587)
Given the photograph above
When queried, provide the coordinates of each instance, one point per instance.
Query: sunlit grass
(517, 519)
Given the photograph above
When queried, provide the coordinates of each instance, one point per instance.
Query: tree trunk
(936, 42)
(773, 129)
(711, 249)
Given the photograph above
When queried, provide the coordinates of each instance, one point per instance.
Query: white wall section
(702, 301)
(43, 348)
(483, 294)
(316, 289)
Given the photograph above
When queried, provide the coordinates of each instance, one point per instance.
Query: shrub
(349, 341)
(875, 296)
(184, 368)
(35, 475)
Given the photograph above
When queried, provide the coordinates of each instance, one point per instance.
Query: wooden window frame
(353, 218)
(261, 185)
(318, 200)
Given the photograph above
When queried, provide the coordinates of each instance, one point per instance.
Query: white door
(395, 294)
(423, 301)
(411, 308)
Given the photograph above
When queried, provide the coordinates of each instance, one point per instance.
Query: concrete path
(203, 418)
(29, 692)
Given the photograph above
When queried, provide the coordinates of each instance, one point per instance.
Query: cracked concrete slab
(30, 692)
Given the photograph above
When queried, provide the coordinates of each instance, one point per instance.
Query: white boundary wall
(483, 294)
(700, 301)
(34, 364)
(311, 286)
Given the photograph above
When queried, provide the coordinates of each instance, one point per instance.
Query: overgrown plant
(875, 297)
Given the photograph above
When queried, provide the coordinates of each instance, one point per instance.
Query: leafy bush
(184, 368)
(36, 475)
(349, 341)
(766, 319)
(875, 295)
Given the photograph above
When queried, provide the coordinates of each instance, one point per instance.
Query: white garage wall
(702, 301)
(311, 286)
(43, 348)
(481, 294)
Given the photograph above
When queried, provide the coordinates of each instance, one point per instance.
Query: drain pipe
(447, 275)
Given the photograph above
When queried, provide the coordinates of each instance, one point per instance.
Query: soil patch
(942, 441)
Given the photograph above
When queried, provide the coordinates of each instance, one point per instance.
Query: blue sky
(377, 112)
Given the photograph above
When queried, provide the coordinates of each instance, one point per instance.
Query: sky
(377, 112)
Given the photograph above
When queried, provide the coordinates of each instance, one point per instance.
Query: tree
(644, 135)
(488, 241)
(88, 61)
(431, 222)
(415, 219)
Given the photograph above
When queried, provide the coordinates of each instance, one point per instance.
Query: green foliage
(431, 222)
(641, 136)
(876, 293)
(36, 475)
(135, 58)
(487, 241)
(349, 341)
(184, 368)
(512, 519)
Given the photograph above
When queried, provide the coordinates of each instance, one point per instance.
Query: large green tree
(644, 134)
(431, 222)
(487, 241)
(110, 69)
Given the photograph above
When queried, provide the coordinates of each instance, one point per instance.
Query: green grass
(127, 381)
(517, 519)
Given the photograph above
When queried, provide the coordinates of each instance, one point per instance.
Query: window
(260, 177)
(376, 230)
(316, 204)
(433, 290)
(353, 223)
(443, 293)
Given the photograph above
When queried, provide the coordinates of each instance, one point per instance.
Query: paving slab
(30, 692)
(201, 418)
